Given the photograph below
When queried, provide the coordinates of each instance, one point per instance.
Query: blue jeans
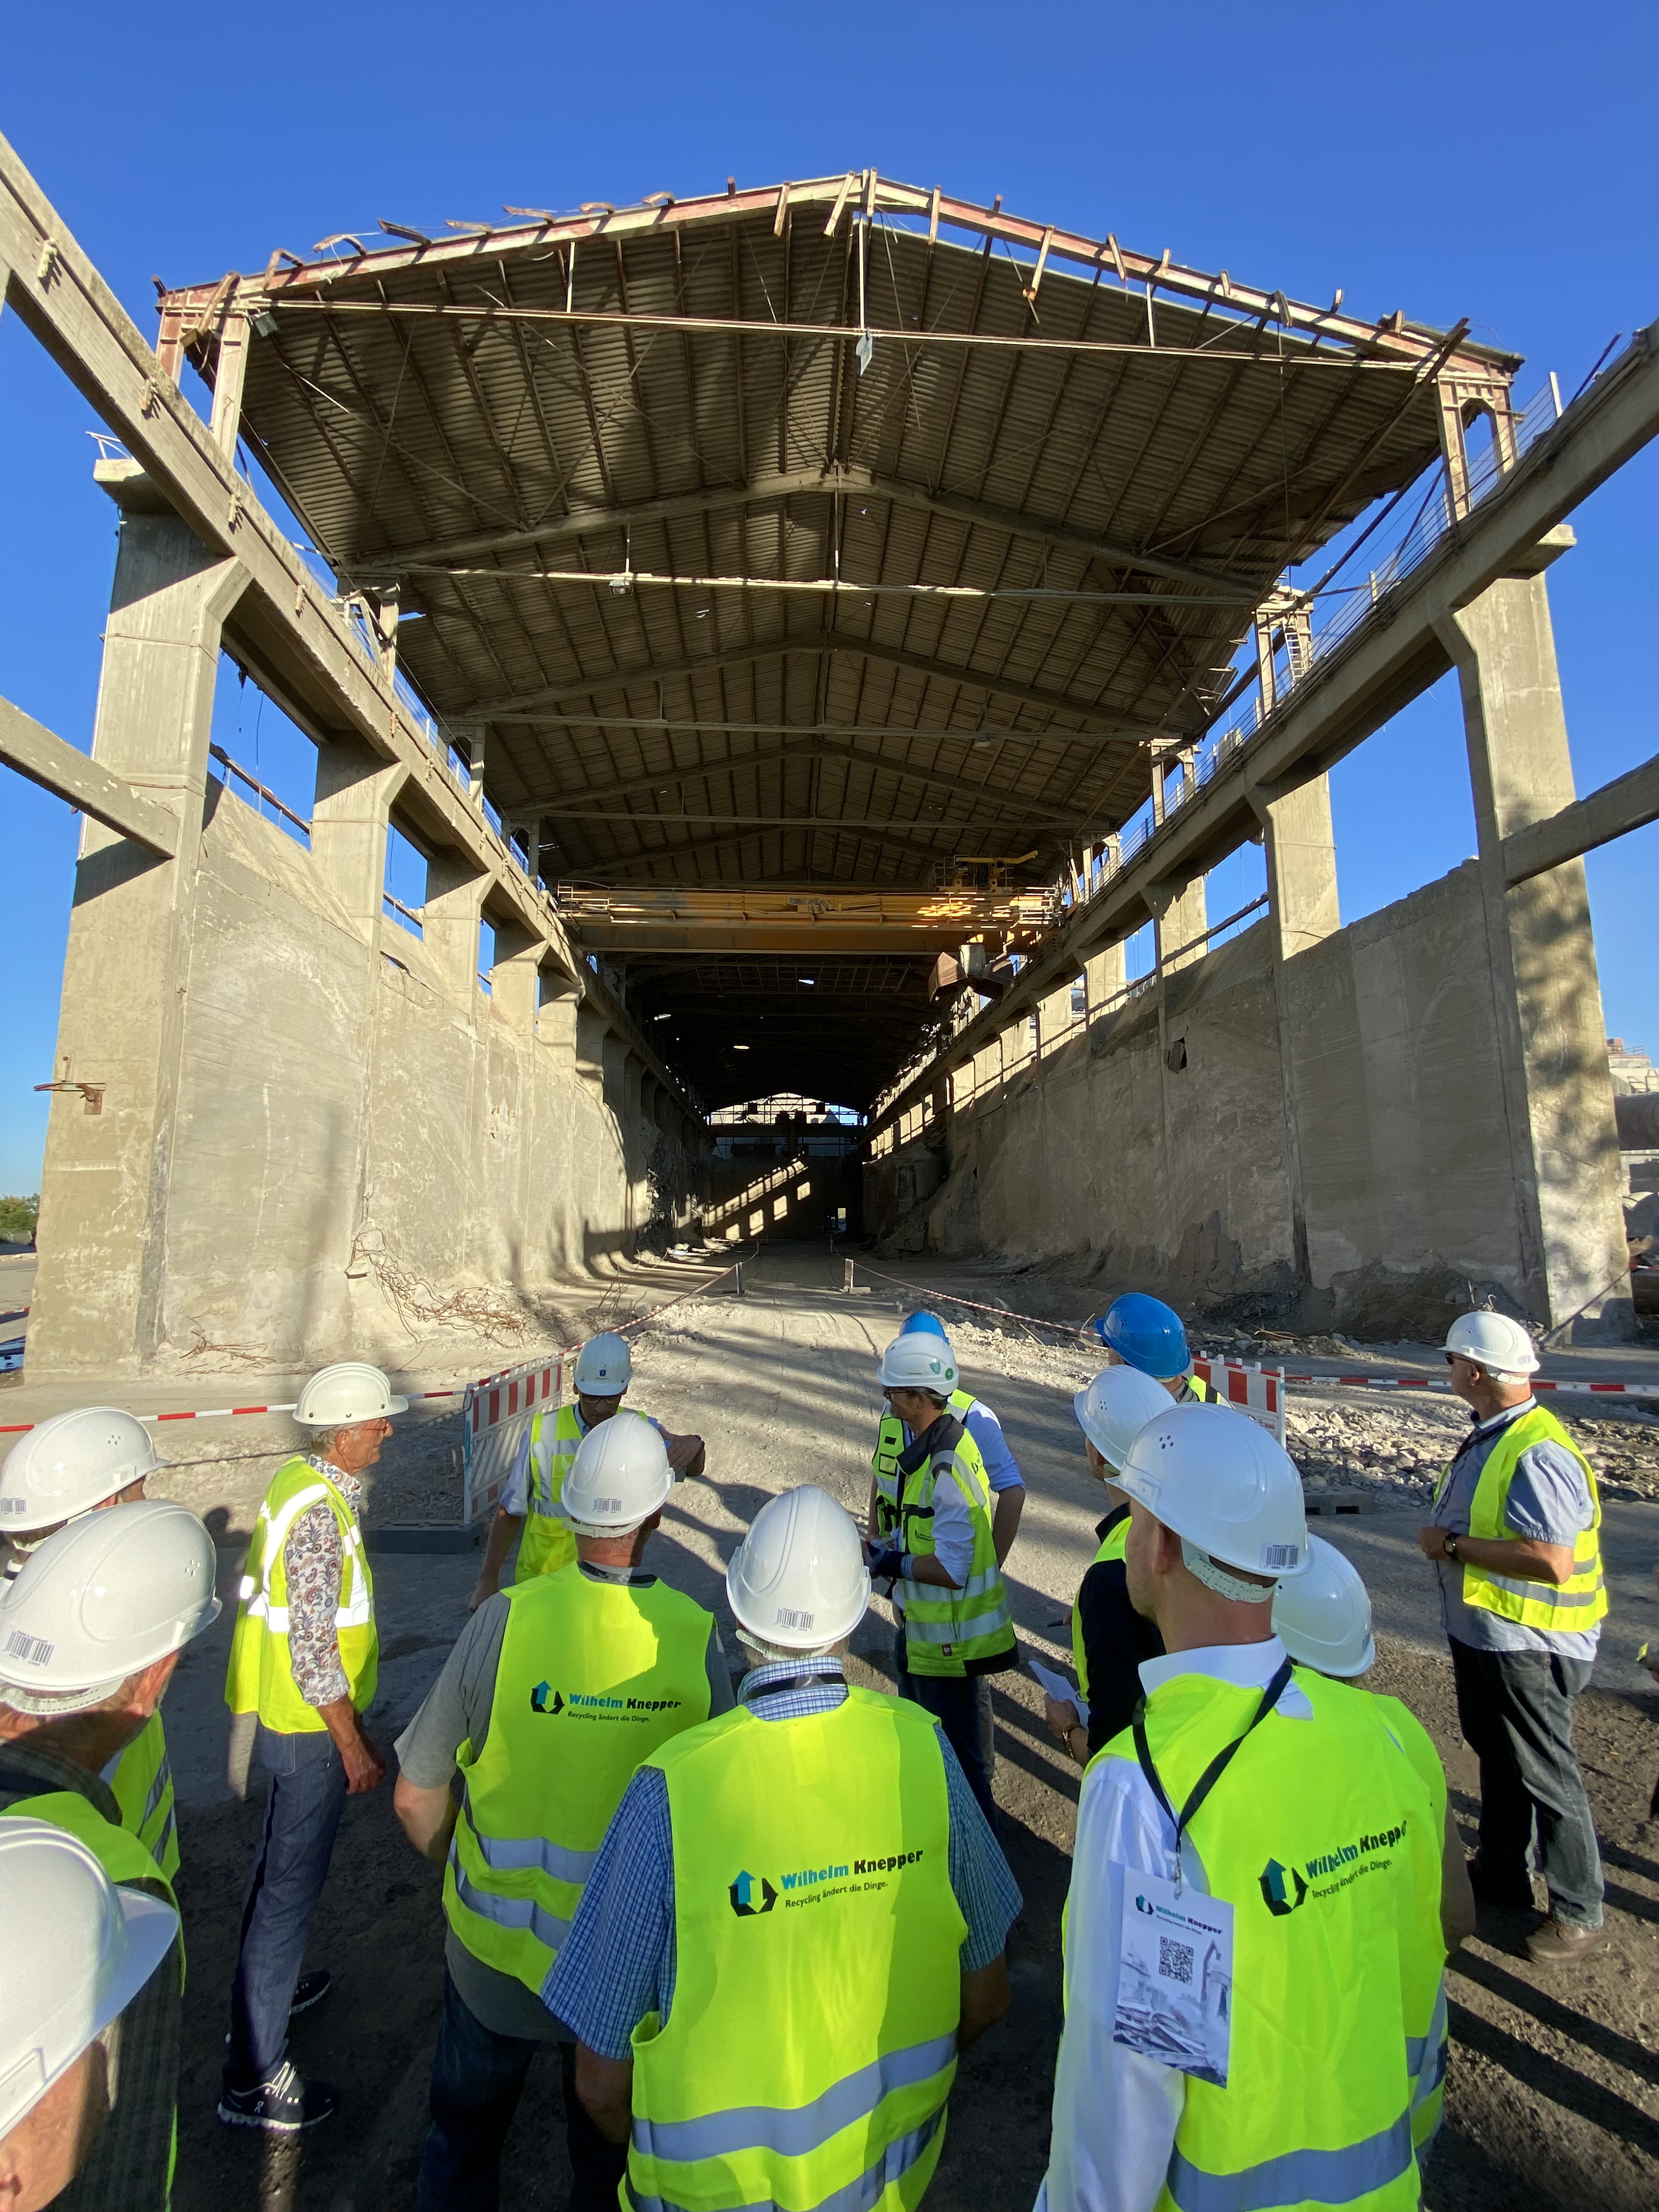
(302, 1812)
(953, 1700)
(477, 2079)
(1516, 1711)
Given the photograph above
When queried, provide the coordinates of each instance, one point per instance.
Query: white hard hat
(78, 1951)
(798, 1579)
(71, 1463)
(603, 1368)
(918, 1361)
(351, 1390)
(1323, 1619)
(1217, 1478)
(1113, 1409)
(618, 1478)
(112, 1593)
(1493, 1341)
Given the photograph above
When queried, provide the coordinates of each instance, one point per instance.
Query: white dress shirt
(1115, 2112)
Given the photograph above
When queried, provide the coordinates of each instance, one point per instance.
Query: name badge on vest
(1174, 1977)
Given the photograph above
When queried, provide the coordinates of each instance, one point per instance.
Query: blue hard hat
(929, 1323)
(1145, 1334)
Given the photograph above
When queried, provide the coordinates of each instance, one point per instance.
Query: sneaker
(310, 1990)
(1508, 1896)
(1562, 1943)
(281, 2106)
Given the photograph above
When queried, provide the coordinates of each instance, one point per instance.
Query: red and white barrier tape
(225, 1412)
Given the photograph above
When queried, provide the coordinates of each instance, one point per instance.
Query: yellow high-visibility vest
(547, 1544)
(944, 1629)
(593, 1677)
(890, 1442)
(1112, 1548)
(1428, 2093)
(260, 1677)
(142, 1787)
(811, 2043)
(1582, 1599)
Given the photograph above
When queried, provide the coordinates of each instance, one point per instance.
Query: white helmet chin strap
(1216, 1578)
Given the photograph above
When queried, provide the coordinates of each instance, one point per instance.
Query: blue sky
(1448, 159)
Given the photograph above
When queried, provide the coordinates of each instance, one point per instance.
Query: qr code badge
(1174, 1961)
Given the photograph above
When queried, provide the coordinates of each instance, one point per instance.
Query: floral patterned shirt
(313, 1559)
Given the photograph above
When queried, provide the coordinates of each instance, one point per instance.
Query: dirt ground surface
(1553, 2088)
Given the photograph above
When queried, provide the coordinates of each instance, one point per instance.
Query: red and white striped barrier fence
(1257, 1391)
(226, 1412)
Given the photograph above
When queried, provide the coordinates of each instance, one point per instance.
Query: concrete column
(556, 1020)
(515, 979)
(455, 888)
(349, 815)
(1180, 918)
(98, 1302)
(229, 374)
(1300, 846)
(590, 1037)
(1105, 978)
(1564, 1145)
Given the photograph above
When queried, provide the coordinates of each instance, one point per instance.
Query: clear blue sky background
(1445, 158)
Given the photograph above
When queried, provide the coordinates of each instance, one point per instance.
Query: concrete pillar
(1105, 978)
(555, 1018)
(455, 888)
(1300, 846)
(349, 815)
(515, 979)
(229, 374)
(590, 1037)
(1564, 1145)
(106, 1183)
(1180, 919)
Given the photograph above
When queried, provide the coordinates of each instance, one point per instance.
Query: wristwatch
(1450, 1547)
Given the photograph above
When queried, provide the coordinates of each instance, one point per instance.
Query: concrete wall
(1377, 1205)
(334, 1098)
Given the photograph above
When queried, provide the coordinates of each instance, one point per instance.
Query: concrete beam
(60, 768)
(1629, 802)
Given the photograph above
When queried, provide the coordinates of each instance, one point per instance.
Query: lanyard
(1212, 1773)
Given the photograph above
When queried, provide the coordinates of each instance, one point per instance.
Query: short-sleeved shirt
(620, 1959)
(457, 1710)
(515, 1498)
(1548, 1500)
(1001, 1468)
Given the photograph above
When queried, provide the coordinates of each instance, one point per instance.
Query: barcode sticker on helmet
(33, 1651)
(14, 1505)
(784, 1618)
(1275, 1555)
(607, 1506)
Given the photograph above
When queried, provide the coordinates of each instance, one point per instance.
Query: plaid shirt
(619, 1960)
(313, 1558)
(129, 2167)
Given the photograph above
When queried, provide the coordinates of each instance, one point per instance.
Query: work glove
(886, 1564)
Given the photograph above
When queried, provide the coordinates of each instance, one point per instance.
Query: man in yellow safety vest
(554, 1693)
(529, 1511)
(796, 1921)
(1515, 1536)
(304, 1663)
(76, 1463)
(90, 1633)
(1253, 1944)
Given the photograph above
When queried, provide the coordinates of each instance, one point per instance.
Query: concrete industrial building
(813, 583)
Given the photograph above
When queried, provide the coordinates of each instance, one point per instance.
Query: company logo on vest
(743, 1895)
(1282, 1888)
(540, 1702)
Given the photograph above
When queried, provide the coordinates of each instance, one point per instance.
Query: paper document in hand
(1059, 1688)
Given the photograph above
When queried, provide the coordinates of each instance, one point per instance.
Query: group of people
(762, 1925)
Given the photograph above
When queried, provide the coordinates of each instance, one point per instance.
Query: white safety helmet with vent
(110, 1594)
(798, 1580)
(78, 1951)
(348, 1392)
(70, 1464)
(618, 1478)
(1493, 1341)
(1223, 1484)
(604, 1366)
(1116, 1407)
(918, 1361)
(1323, 1619)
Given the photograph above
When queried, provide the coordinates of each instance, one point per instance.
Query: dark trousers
(1515, 1712)
(302, 1812)
(953, 1700)
(477, 2078)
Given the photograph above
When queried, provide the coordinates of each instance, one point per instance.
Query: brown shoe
(1561, 1942)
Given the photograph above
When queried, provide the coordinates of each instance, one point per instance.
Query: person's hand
(885, 1563)
(1432, 1542)
(364, 1768)
(1062, 1716)
(484, 1589)
(682, 1451)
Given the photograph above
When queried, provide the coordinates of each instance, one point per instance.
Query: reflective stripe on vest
(1112, 1548)
(1322, 1837)
(811, 2045)
(594, 1676)
(884, 1461)
(945, 1628)
(1582, 1599)
(260, 1677)
(141, 1779)
(546, 1544)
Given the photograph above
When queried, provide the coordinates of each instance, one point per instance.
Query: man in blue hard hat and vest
(1140, 1331)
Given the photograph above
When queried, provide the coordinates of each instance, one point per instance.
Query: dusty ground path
(1554, 2088)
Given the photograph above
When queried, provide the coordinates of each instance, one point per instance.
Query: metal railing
(264, 795)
